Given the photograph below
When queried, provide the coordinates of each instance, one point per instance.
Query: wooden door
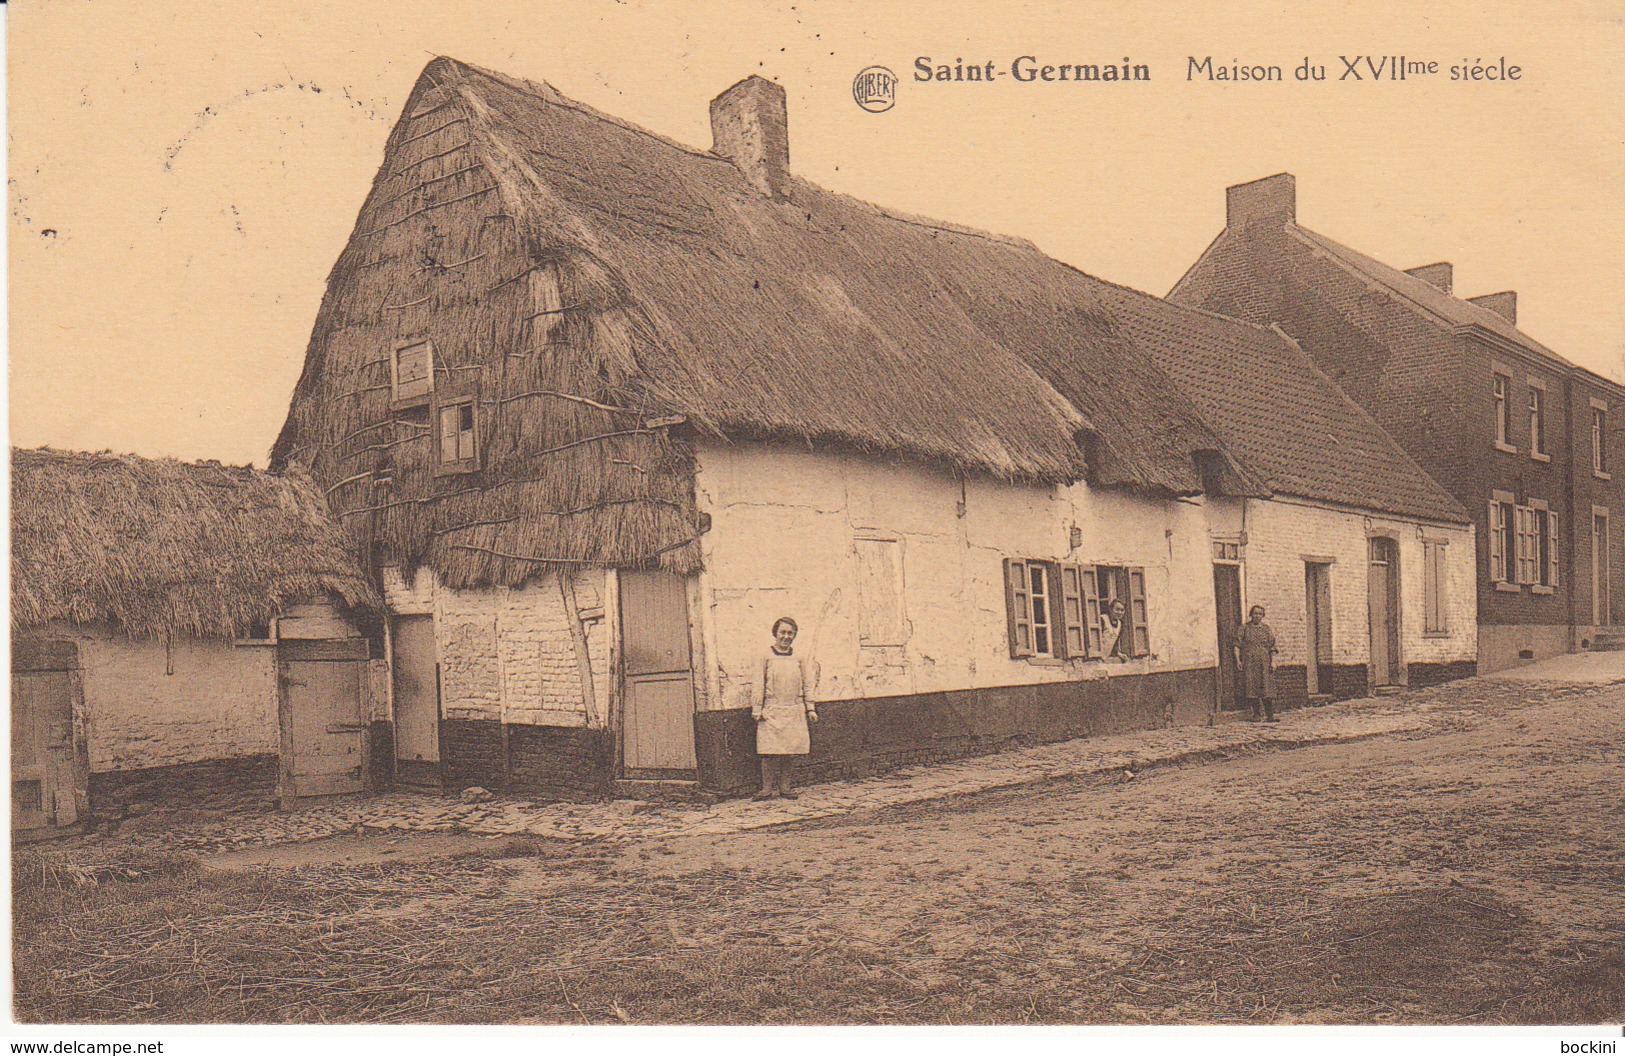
(324, 732)
(417, 699)
(43, 793)
(657, 726)
(1384, 601)
(1318, 621)
(1227, 607)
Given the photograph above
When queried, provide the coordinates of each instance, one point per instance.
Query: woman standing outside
(781, 710)
(1255, 653)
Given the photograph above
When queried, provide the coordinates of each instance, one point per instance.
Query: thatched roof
(674, 288)
(162, 547)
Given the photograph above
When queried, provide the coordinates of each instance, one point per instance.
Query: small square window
(412, 371)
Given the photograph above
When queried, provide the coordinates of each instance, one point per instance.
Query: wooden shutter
(1074, 636)
(1018, 607)
(1091, 612)
(1551, 548)
(1140, 644)
(1433, 585)
(1498, 543)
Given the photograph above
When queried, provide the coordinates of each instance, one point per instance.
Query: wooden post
(578, 635)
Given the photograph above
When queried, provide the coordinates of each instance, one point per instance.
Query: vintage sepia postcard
(593, 513)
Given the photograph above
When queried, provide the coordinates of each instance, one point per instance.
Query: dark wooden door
(417, 699)
(1384, 601)
(43, 677)
(1227, 607)
(657, 728)
(1318, 620)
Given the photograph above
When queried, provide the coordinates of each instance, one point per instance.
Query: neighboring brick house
(1526, 440)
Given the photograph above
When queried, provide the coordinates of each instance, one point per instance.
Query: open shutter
(1551, 548)
(1074, 641)
(1498, 545)
(1140, 645)
(1018, 607)
(1091, 611)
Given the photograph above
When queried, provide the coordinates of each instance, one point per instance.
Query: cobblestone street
(1451, 706)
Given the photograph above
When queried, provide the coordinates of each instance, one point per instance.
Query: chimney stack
(1504, 304)
(750, 127)
(1439, 275)
(1274, 199)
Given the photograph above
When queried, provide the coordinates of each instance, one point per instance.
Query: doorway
(45, 791)
(1317, 582)
(1384, 600)
(1602, 602)
(416, 677)
(657, 725)
(1227, 609)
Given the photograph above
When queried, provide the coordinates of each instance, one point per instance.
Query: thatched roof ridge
(589, 283)
(162, 547)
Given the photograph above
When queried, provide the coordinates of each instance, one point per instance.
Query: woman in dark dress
(1255, 654)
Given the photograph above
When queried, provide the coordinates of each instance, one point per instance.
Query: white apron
(781, 688)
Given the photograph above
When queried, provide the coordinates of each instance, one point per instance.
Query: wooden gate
(417, 700)
(47, 780)
(657, 728)
(1384, 594)
(324, 731)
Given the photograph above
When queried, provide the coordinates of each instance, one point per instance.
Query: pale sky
(183, 176)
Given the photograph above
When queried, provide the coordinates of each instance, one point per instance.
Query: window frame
(1537, 421)
(1543, 533)
(462, 463)
(1071, 598)
(1501, 394)
(1599, 439)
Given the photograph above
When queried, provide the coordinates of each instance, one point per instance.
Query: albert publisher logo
(875, 89)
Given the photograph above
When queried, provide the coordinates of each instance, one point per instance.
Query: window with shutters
(1503, 573)
(1435, 584)
(457, 438)
(1525, 545)
(1054, 610)
(1543, 547)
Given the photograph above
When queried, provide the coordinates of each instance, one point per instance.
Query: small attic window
(412, 374)
(458, 437)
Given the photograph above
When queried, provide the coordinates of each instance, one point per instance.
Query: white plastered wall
(785, 530)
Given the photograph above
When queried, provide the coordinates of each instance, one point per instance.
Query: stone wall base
(210, 784)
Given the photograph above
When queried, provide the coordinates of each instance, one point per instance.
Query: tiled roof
(1287, 421)
(1446, 307)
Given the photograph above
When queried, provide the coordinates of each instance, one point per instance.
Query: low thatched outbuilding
(149, 597)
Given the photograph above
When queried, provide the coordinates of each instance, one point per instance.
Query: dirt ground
(1473, 874)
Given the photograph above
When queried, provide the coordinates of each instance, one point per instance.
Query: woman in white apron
(781, 711)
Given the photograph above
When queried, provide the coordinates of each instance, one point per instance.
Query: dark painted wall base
(380, 755)
(1436, 674)
(857, 738)
(213, 784)
(548, 762)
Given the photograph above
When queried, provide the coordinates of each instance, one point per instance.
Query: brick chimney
(1504, 304)
(1274, 199)
(750, 128)
(1438, 275)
